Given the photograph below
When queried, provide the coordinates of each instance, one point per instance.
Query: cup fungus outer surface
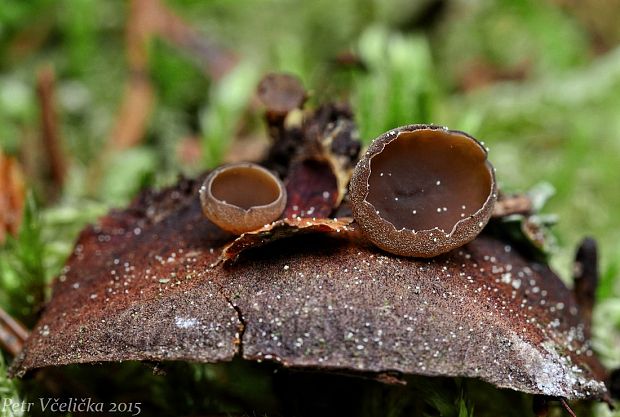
(242, 197)
(424, 242)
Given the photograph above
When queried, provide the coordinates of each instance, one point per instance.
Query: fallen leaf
(482, 311)
(139, 286)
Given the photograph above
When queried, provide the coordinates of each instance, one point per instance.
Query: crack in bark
(240, 326)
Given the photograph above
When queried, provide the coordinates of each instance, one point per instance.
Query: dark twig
(586, 279)
(567, 407)
(147, 19)
(138, 97)
(214, 60)
(12, 333)
(613, 383)
(49, 125)
(134, 113)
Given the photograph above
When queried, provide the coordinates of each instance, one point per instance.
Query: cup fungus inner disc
(427, 179)
(245, 187)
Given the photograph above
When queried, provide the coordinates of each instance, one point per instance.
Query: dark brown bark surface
(140, 285)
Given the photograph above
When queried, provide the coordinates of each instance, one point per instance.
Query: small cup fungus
(242, 197)
(281, 93)
(422, 190)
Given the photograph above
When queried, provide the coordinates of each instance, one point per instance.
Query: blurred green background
(537, 80)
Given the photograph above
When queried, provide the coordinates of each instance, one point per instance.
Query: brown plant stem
(49, 126)
(567, 408)
(147, 19)
(13, 334)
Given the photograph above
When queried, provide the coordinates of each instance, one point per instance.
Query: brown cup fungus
(281, 93)
(423, 190)
(242, 197)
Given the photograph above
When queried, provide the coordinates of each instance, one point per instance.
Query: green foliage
(17, 109)
(563, 127)
(8, 391)
(60, 224)
(221, 117)
(29, 261)
(509, 34)
(128, 173)
(179, 82)
(22, 267)
(609, 286)
(80, 29)
(398, 88)
(447, 404)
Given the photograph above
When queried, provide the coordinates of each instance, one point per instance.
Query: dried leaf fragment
(319, 174)
(12, 196)
(312, 190)
(281, 229)
(518, 218)
(507, 205)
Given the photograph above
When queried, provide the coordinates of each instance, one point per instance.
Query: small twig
(586, 279)
(567, 407)
(147, 19)
(134, 113)
(212, 58)
(613, 385)
(138, 97)
(49, 125)
(512, 204)
(13, 334)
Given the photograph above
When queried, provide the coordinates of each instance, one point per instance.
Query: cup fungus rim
(392, 135)
(205, 189)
